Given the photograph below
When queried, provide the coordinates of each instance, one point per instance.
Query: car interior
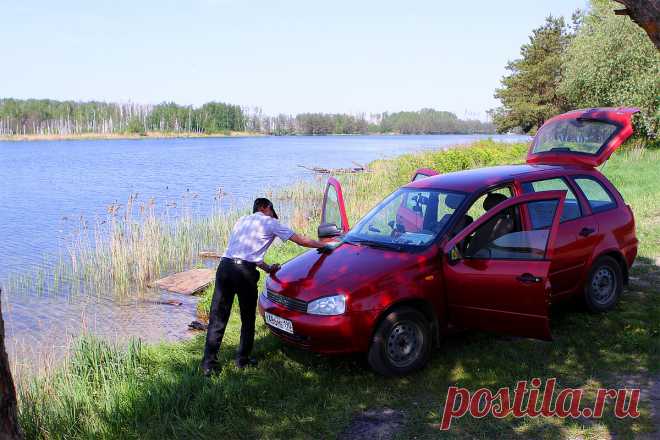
(503, 223)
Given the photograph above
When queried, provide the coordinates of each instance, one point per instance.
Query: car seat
(501, 224)
(453, 201)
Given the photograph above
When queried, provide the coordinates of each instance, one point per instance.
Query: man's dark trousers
(232, 279)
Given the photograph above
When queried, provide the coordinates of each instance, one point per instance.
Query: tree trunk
(9, 428)
(646, 13)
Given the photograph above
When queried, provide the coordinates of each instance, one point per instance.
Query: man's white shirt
(253, 234)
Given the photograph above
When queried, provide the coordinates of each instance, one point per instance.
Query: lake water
(47, 187)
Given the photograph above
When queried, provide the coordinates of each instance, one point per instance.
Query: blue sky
(284, 56)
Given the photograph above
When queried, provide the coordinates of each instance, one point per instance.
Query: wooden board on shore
(210, 254)
(188, 282)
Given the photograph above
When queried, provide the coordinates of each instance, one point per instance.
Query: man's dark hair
(262, 203)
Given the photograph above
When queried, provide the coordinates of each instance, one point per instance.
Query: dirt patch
(654, 398)
(380, 424)
(649, 387)
(640, 283)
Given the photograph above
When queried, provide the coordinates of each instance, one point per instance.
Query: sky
(283, 56)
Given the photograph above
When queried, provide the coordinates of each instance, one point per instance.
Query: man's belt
(239, 261)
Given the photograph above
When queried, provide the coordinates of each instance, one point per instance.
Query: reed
(139, 242)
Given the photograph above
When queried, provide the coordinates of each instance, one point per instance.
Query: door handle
(585, 232)
(528, 278)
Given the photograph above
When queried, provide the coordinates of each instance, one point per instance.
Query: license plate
(277, 322)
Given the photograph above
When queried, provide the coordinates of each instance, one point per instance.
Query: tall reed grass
(94, 370)
(135, 245)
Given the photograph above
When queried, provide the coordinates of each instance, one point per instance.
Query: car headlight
(329, 305)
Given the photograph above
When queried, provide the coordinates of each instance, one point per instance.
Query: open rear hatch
(582, 137)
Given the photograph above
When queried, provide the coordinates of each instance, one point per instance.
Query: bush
(135, 126)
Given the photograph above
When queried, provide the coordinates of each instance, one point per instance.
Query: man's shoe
(209, 371)
(243, 362)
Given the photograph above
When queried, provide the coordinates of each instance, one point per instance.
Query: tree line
(50, 117)
(599, 59)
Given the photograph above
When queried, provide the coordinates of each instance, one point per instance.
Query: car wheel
(401, 343)
(604, 285)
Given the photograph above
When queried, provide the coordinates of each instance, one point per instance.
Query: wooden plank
(188, 282)
(210, 254)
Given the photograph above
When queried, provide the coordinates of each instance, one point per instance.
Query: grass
(146, 391)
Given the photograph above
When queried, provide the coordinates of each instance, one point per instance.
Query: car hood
(348, 269)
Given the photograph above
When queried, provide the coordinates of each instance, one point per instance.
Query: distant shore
(180, 135)
(111, 136)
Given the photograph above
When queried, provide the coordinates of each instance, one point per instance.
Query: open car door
(423, 173)
(334, 221)
(496, 270)
(582, 137)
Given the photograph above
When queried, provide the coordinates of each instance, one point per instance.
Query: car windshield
(406, 218)
(573, 135)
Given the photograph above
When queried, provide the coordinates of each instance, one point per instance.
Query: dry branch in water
(321, 170)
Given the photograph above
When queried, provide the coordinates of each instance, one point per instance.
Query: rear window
(598, 197)
(573, 135)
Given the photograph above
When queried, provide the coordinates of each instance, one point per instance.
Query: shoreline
(189, 135)
(123, 136)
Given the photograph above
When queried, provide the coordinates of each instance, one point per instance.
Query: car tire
(401, 344)
(604, 285)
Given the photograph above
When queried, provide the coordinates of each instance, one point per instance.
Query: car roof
(475, 179)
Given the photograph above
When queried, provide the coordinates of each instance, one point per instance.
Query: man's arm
(300, 240)
(303, 241)
(268, 268)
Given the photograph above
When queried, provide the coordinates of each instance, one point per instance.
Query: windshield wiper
(376, 244)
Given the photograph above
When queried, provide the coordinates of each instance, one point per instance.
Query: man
(237, 275)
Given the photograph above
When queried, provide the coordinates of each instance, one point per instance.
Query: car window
(504, 237)
(409, 217)
(477, 208)
(415, 202)
(541, 218)
(332, 212)
(573, 135)
(598, 197)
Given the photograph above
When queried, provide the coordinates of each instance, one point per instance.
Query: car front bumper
(346, 333)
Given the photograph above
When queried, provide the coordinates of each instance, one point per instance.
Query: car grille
(289, 303)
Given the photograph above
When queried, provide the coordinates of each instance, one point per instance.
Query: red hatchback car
(488, 249)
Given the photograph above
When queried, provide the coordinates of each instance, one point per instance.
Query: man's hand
(269, 268)
(274, 268)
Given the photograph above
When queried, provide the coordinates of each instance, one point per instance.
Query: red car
(488, 249)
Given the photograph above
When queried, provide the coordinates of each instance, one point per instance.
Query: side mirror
(328, 230)
(454, 255)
